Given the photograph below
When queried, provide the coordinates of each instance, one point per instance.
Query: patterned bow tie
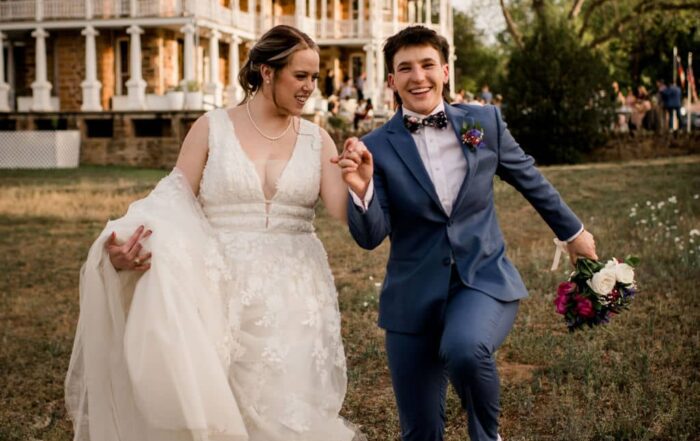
(437, 120)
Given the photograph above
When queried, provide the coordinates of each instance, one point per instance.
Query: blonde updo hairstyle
(275, 49)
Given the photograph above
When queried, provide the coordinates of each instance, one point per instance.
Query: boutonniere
(472, 135)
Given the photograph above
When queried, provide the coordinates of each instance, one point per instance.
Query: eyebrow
(424, 60)
(296, 72)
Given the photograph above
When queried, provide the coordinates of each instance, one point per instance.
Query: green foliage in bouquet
(596, 291)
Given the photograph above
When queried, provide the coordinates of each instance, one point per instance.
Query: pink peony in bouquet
(596, 291)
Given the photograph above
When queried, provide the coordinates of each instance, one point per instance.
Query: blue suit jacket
(425, 240)
(672, 97)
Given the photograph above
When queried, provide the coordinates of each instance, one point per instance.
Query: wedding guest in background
(360, 86)
(348, 90)
(364, 111)
(671, 96)
(486, 95)
(497, 100)
(641, 107)
(459, 97)
(329, 83)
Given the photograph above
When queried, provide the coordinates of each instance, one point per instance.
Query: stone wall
(69, 51)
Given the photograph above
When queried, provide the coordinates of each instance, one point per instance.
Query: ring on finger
(137, 262)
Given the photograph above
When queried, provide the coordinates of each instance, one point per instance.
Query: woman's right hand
(127, 255)
(357, 166)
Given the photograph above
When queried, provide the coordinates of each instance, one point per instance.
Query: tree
(555, 90)
(476, 63)
(596, 22)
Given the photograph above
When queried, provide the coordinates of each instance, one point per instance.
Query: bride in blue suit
(450, 296)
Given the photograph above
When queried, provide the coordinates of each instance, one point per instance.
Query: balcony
(52, 10)
(61, 10)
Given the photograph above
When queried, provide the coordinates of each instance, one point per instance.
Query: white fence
(40, 149)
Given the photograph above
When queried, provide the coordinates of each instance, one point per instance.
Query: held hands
(356, 165)
(582, 246)
(126, 256)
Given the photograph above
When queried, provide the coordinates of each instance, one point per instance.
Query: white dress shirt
(442, 157)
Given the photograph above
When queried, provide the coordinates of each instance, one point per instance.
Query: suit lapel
(404, 145)
(457, 117)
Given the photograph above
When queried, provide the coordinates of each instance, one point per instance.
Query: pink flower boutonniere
(472, 135)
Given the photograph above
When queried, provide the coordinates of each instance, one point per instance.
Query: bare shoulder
(198, 133)
(194, 152)
(327, 143)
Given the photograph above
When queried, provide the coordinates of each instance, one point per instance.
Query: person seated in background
(497, 100)
(459, 97)
(348, 90)
(470, 99)
(333, 105)
(364, 111)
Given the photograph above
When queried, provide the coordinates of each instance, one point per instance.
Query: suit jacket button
(446, 261)
(449, 223)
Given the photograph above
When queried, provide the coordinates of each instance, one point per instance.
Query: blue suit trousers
(461, 350)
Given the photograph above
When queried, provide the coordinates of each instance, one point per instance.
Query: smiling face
(293, 84)
(419, 77)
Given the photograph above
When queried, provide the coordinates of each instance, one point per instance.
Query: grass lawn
(635, 379)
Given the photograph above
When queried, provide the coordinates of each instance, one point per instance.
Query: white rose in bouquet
(624, 273)
(603, 281)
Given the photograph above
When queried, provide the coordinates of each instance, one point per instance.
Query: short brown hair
(416, 36)
(275, 49)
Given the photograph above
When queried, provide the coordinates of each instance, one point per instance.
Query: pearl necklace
(271, 138)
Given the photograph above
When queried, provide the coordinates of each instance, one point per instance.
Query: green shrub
(555, 90)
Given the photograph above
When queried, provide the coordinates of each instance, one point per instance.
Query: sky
(487, 14)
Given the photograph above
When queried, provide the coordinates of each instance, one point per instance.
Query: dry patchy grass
(637, 379)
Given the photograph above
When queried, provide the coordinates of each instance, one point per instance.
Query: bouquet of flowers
(596, 291)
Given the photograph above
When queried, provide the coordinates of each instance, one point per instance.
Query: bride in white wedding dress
(230, 329)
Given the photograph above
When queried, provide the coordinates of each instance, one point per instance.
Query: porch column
(41, 88)
(376, 20)
(312, 17)
(4, 87)
(324, 18)
(188, 61)
(91, 87)
(233, 91)
(136, 85)
(214, 86)
(39, 6)
(336, 18)
(361, 18)
(395, 14)
(444, 11)
(371, 81)
(252, 10)
(428, 12)
(379, 62)
(236, 12)
(300, 14)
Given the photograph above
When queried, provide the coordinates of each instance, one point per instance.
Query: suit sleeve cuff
(363, 204)
(575, 235)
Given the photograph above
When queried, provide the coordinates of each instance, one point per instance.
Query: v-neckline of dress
(253, 169)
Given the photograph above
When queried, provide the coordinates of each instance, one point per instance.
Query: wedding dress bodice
(231, 191)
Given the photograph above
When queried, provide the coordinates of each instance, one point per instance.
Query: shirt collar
(438, 108)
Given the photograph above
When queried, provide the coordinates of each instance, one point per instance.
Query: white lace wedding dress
(259, 340)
